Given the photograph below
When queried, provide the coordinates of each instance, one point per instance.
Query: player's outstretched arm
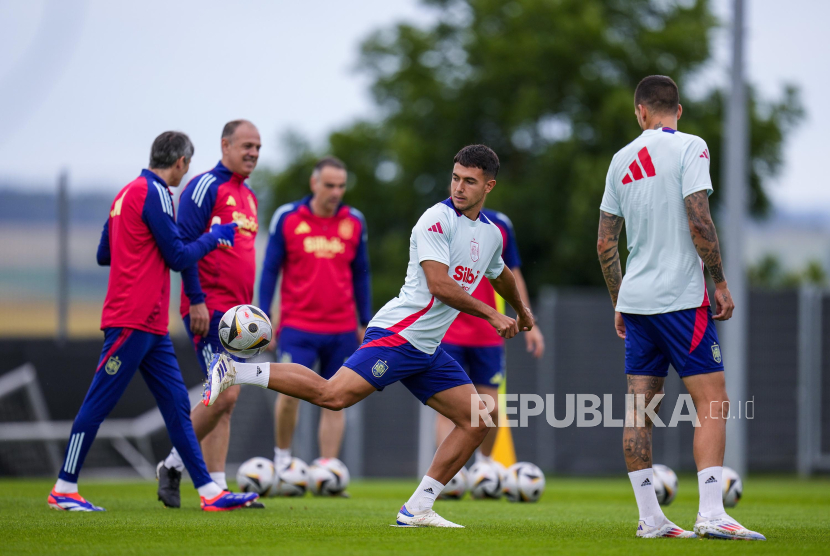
(506, 286)
(447, 291)
(705, 238)
(608, 239)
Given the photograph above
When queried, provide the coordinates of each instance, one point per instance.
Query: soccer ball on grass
(256, 475)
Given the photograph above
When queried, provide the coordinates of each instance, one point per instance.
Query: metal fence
(390, 433)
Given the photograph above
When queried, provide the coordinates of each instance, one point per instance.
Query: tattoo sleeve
(703, 233)
(608, 239)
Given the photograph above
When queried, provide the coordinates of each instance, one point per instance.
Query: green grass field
(575, 516)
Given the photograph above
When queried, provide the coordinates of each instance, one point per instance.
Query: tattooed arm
(608, 239)
(705, 238)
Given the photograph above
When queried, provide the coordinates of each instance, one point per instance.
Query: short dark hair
(332, 161)
(231, 126)
(479, 156)
(168, 148)
(658, 93)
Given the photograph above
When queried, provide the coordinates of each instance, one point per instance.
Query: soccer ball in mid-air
(328, 477)
(256, 475)
(733, 488)
(665, 484)
(456, 488)
(529, 482)
(292, 480)
(484, 481)
(245, 331)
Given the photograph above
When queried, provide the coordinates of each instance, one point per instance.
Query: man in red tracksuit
(221, 280)
(141, 243)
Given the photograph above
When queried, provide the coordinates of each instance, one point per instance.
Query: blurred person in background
(221, 280)
(141, 243)
(320, 246)
(659, 186)
(479, 348)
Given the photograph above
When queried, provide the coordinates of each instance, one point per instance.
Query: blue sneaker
(227, 501)
(221, 374)
(71, 502)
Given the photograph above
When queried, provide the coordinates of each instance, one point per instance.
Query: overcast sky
(87, 85)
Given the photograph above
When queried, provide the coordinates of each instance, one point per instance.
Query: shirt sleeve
(158, 214)
(104, 255)
(510, 251)
(694, 168)
(274, 256)
(193, 219)
(361, 276)
(432, 237)
(610, 202)
(496, 266)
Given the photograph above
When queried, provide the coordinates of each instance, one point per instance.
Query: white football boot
(221, 375)
(425, 519)
(726, 528)
(663, 529)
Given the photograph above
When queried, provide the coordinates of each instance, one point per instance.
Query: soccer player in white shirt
(452, 248)
(659, 185)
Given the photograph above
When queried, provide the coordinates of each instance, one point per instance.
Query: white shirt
(472, 251)
(647, 183)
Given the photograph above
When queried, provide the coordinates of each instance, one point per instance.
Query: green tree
(549, 85)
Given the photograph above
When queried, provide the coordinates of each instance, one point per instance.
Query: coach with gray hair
(140, 244)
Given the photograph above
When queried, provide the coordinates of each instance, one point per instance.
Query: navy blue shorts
(382, 363)
(484, 365)
(687, 339)
(306, 348)
(207, 346)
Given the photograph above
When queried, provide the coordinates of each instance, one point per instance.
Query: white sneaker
(663, 529)
(425, 519)
(221, 374)
(724, 527)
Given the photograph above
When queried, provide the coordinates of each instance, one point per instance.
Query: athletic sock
(642, 482)
(65, 487)
(424, 496)
(481, 458)
(219, 478)
(710, 484)
(282, 457)
(209, 491)
(256, 374)
(174, 461)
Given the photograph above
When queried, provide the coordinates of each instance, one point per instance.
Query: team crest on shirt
(716, 353)
(474, 251)
(252, 204)
(379, 368)
(345, 229)
(113, 364)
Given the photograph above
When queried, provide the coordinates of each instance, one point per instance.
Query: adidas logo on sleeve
(436, 228)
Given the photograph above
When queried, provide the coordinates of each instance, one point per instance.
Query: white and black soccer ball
(456, 488)
(328, 477)
(484, 481)
(530, 482)
(510, 485)
(292, 480)
(665, 484)
(733, 487)
(245, 331)
(256, 475)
